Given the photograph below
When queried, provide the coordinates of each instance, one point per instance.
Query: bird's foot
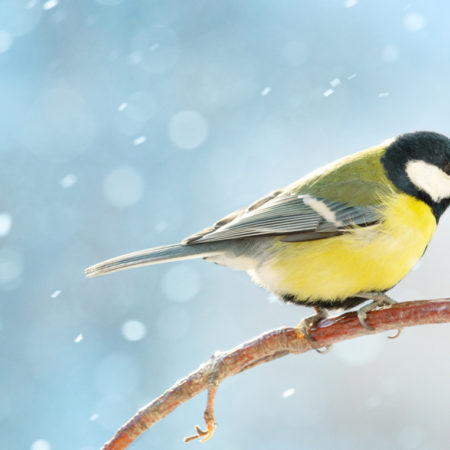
(378, 299)
(305, 327)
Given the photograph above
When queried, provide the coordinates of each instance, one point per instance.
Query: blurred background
(129, 124)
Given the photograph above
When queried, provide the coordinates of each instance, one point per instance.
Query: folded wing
(299, 217)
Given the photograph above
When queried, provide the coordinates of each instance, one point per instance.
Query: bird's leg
(378, 299)
(306, 324)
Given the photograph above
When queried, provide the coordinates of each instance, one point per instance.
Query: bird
(344, 234)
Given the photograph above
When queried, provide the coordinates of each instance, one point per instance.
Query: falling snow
(350, 3)
(67, 181)
(50, 4)
(288, 393)
(125, 130)
(5, 224)
(335, 82)
(140, 140)
(135, 57)
(40, 444)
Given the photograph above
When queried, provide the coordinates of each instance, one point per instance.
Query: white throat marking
(429, 179)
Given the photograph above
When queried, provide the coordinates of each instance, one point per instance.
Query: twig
(267, 347)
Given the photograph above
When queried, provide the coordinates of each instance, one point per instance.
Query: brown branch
(269, 346)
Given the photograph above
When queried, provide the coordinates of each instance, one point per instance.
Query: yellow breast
(372, 258)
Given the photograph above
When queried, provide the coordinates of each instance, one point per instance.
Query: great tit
(345, 233)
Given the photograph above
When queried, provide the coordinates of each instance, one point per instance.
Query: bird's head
(419, 164)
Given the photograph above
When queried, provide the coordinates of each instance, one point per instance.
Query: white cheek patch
(322, 209)
(429, 178)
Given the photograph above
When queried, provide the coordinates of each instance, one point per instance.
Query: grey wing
(299, 217)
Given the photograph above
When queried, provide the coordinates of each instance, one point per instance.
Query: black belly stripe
(346, 303)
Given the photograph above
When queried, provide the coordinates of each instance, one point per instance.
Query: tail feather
(156, 255)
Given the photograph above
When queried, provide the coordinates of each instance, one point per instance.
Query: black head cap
(433, 149)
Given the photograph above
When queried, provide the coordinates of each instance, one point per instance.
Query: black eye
(446, 168)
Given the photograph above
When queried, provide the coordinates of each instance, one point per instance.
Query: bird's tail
(156, 255)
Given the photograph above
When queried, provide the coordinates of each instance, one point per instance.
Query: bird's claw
(378, 299)
(362, 316)
(305, 326)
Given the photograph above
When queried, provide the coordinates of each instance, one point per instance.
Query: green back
(358, 182)
(358, 179)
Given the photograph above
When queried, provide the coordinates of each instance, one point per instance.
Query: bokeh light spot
(390, 53)
(173, 323)
(140, 106)
(158, 49)
(17, 18)
(188, 129)
(40, 444)
(111, 410)
(180, 284)
(11, 267)
(350, 3)
(5, 40)
(133, 113)
(411, 437)
(123, 187)
(414, 22)
(133, 330)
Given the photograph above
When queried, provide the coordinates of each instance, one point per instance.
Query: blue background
(129, 124)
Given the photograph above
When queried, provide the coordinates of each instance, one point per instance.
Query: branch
(267, 347)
